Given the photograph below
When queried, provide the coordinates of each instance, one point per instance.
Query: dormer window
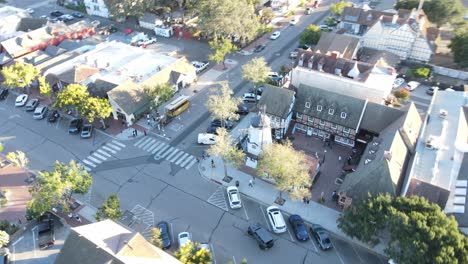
(319, 108)
(307, 105)
(343, 115)
(331, 111)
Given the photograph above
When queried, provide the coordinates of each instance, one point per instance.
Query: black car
(212, 130)
(321, 236)
(56, 13)
(264, 239)
(107, 30)
(242, 109)
(258, 90)
(53, 116)
(77, 15)
(299, 227)
(3, 93)
(259, 48)
(217, 123)
(165, 234)
(75, 126)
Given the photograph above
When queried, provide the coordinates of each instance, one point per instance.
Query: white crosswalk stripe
(141, 142)
(99, 156)
(94, 160)
(176, 157)
(89, 163)
(149, 144)
(153, 146)
(190, 164)
(85, 167)
(109, 149)
(159, 149)
(187, 161)
(172, 154)
(168, 152)
(104, 153)
(181, 158)
(118, 143)
(114, 147)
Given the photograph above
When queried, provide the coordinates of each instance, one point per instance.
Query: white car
(200, 65)
(276, 219)
(95, 23)
(21, 100)
(275, 35)
(294, 20)
(29, 10)
(183, 238)
(234, 197)
(250, 98)
(324, 28)
(206, 138)
(146, 42)
(398, 82)
(412, 85)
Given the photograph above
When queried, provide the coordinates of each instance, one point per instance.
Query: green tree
(459, 47)
(72, 95)
(419, 231)
(56, 187)
(402, 94)
(337, 8)
(225, 149)
(159, 94)
(95, 107)
(119, 9)
(221, 48)
(192, 253)
(44, 87)
(18, 158)
(155, 238)
(110, 209)
(438, 11)
(287, 167)
(19, 75)
(221, 104)
(267, 15)
(256, 71)
(1, 147)
(310, 36)
(4, 238)
(219, 18)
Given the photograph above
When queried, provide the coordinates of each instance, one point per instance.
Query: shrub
(420, 72)
(7, 227)
(402, 94)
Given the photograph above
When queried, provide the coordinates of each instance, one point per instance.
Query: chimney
(394, 18)
(310, 63)
(334, 55)
(301, 60)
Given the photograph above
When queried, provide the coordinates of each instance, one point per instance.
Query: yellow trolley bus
(177, 106)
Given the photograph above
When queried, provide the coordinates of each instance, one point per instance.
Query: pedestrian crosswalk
(164, 151)
(101, 154)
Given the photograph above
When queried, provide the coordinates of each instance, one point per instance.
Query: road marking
(172, 232)
(264, 217)
(99, 156)
(114, 147)
(104, 153)
(245, 211)
(86, 168)
(118, 143)
(158, 147)
(218, 199)
(172, 154)
(186, 161)
(149, 144)
(338, 254)
(14, 249)
(94, 159)
(212, 253)
(313, 244)
(234, 260)
(357, 253)
(292, 238)
(176, 156)
(34, 240)
(89, 163)
(162, 150)
(109, 149)
(191, 164)
(140, 143)
(153, 146)
(168, 152)
(181, 158)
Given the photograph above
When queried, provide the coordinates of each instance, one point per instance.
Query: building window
(331, 111)
(333, 126)
(346, 130)
(96, 8)
(307, 105)
(343, 115)
(311, 119)
(298, 116)
(319, 108)
(322, 123)
(94, 1)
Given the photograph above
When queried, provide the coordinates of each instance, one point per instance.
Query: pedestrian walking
(307, 200)
(133, 133)
(144, 131)
(250, 183)
(304, 199)
(198, 160)
(339, 157)
(136, 132)
(213, 164)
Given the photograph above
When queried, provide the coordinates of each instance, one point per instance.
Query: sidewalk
(265, 193)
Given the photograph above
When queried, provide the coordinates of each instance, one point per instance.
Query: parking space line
(338, 254)
(234, 260)
(34, 240)
(292, 238)
(313, 244)
(357, 253)
(212, 253)
(172, 232)
(264, 216)
(246, 215)
(14, 250)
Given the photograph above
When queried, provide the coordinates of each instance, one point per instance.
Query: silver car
(40, 112)
(87, 131)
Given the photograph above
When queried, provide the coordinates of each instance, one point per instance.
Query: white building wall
(96, 8)
(372, 90)
(147, 25)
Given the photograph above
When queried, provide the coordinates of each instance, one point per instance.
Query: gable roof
(28, 23)
(100, 88)
(129, 97)
(277, 100)
(368, 17)
(148, 18)
(332, 42)
(77, 74)
(352, 106)
(377, 117)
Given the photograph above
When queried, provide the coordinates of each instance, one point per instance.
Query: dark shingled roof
(277, 100)
(130, 98)
(99, 88)
(378, 117)
(353, 107)
(28, 23)
(429, 191)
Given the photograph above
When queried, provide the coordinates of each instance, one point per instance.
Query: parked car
(212, 130)
(206, 139)
(200, 65)
(299, 227)
(275, 35)
(234, 197)
(276, 219)
(96, 23)
(66, 18)
(53, 116)
(275, 76)
(308, 11)
(21, 100)
(44, 17)
(412, 85)
(227, 124)
(75, 126)
(257, 90)
(32, 104)
(321, 236)
(56, 13)
(107, 30)
(29, 10)
(294, 20)
(183, 238)
(250, 98)
(3, 93)
(165, 235)
(398, 82)
(87, 131)
(146, 42)
(259, 48)
(325, 28)
(242, 109)
(263, 237)
(431, 90)
(40, 112)
(77, 15)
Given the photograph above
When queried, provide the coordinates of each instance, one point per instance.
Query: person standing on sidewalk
(213, 164)
(250, 183)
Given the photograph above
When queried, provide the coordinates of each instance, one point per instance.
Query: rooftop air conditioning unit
(443, 114)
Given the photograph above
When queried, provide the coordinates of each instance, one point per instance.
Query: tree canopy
(225, 148)
(287, 167)
(55, 187)
(459, 47)
(221, 104)
(155, 238)
(192, 253)
(256, 70)
(438, 11)
(419, 231)
(337, 8)
(310, 36)
(19, 75)
(18, 158)
(125, 8)
(159, 94)
(221, 48)
(219, 18)
(110, 209)
(4, 238)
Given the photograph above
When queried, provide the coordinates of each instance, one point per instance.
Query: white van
(206, 139)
